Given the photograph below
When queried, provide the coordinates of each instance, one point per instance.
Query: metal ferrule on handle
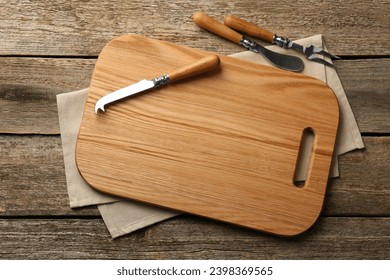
(248, 43)
(281, 41)
(162, 80)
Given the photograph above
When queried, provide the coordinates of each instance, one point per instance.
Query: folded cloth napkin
(124, 216)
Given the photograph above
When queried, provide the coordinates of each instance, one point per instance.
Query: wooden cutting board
(223, 145)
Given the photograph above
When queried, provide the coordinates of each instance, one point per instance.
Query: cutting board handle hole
(305, 157)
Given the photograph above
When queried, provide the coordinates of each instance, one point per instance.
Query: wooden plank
(192, 238)
(83, 28)
(28, 87)
(59, 74)
(32, 179)
(367, 85)
(363, 184)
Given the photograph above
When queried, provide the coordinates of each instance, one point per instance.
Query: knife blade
(253, 30)
(283, 61)
(202, 65)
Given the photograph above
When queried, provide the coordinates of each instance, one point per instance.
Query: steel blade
(297, 47)
(123, 93)
(325, 53)
(287, 62)
(320, 60)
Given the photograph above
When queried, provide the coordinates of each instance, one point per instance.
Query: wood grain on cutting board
(223, 144)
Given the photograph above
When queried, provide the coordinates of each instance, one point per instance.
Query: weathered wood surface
(193, 238)
(28, 87)
(367, 86)
(77, 28)
(33, 179)
(47, 49)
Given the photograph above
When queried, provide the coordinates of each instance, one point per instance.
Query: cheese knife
(256, 31)
(283, 61)
(202, 65)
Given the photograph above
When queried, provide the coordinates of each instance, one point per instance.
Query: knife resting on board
(204, 64)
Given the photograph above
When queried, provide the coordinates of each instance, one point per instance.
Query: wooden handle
(248, 28)
(212, 25)
(202, 65)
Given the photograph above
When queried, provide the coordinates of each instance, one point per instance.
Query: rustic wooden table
(47, 48)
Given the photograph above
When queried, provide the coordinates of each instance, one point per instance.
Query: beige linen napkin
(124, 216)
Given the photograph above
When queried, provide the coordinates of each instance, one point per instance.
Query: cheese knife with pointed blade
(202, 65)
